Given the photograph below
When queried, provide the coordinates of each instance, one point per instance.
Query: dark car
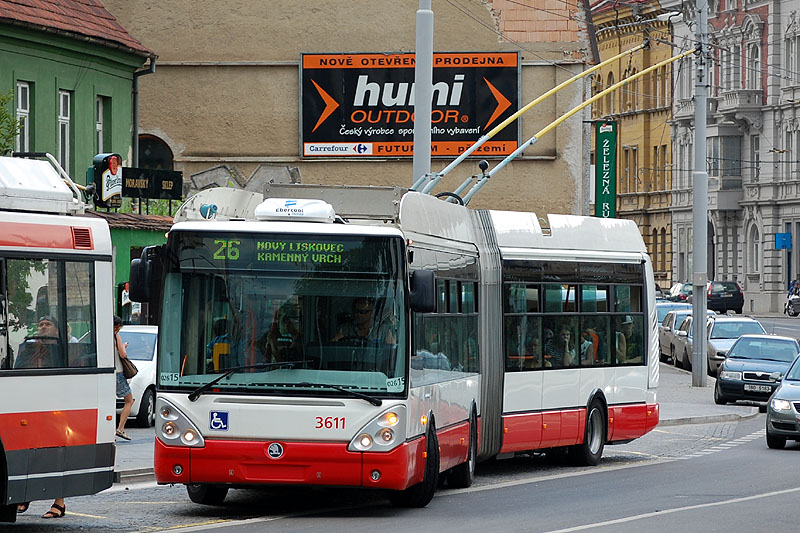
(783, 409)
(680, 292)
(723, 296)
(754, 367)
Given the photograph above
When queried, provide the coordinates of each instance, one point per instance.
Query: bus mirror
(422, 296)
(140, 280)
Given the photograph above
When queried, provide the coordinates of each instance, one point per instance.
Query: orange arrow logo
(330, 105)
(502, 103)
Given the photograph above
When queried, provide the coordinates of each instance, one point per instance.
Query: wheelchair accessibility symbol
(218, 420)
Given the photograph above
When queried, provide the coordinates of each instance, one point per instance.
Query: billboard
(362, 105)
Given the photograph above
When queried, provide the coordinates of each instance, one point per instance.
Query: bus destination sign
(256, 252)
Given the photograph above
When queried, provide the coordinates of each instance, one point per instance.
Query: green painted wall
(51, 62)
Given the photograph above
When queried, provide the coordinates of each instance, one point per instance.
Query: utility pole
(700, 202)
(423, 91)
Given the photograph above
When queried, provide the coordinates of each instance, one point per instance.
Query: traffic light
(106, 176)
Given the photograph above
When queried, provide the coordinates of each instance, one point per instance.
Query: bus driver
(364, 325)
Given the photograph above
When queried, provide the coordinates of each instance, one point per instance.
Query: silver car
(783, 409)
(670, 323)
(721, 332)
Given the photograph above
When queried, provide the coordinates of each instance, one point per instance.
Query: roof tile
(82, 17)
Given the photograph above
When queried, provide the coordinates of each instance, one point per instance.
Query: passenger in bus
(365, 325)
(283, 342)
(42, 350)
(629, 346)
(560, 350)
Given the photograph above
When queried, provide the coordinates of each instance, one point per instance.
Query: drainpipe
(150, 70)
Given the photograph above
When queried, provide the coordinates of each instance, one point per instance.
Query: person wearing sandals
(57, 510)
(123, 389)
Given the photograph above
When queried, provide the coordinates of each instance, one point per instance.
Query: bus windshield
(297, 311)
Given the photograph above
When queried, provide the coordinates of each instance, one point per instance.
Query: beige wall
(226, 86)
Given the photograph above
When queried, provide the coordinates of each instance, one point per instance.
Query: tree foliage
(9, 125)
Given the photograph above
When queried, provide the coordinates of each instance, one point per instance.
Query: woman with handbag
(123, 389)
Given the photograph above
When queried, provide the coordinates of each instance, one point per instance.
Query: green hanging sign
(605, 170)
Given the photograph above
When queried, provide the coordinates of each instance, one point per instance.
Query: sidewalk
(680, 404)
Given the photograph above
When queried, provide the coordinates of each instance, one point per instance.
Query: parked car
(680, 292)
(666, 330)
(142, 344)
(721, 333)
(722, 296)
(783, 409)
(753, 368)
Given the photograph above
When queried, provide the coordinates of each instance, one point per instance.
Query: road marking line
(676, 510)
(73, 513)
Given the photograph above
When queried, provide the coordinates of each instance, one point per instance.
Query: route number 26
(330, 422)
(227, 249)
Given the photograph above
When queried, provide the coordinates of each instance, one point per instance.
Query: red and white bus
(378, 337)
(57, 387)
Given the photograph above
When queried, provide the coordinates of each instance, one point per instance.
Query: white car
(142, 344)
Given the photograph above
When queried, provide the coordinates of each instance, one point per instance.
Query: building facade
(753, 138)
(642, 110)
(225, 99)
(70, 66)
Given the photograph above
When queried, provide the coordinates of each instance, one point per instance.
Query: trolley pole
(700, 203)
(423, 91)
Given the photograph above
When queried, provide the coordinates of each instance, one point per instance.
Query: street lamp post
(700, 203)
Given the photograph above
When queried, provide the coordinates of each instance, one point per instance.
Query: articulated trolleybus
(57, 401)
(381, 338)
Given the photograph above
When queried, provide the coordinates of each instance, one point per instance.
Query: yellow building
(642, 111)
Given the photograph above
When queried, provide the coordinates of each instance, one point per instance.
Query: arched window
(610, 109)
(154, 153)
(753, 249)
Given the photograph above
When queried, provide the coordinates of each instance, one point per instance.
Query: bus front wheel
(207, 494)
(421, 494)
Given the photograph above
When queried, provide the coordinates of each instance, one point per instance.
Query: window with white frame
(754, 66)
(64, 128)
(98, 122)
(788, 155)
(737, 67)
(755, 156)
(724, 155)
(23, 143)
(753, 249)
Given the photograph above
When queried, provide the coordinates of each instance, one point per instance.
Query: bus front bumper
(301, 463)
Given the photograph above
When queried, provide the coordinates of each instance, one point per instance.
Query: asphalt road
(709, 477)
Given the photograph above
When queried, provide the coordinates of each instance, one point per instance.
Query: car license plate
(727, 295)
(757, 388)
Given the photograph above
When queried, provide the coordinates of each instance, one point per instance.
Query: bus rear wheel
(421, 494)
(207, 494)
(461, 476)
(591, 450)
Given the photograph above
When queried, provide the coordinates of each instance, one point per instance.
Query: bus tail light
(383, 433)
(175, 429)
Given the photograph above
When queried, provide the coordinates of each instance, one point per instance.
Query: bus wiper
(374, 401)
(193, 396)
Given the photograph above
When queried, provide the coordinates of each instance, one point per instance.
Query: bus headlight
(383, 433)
(174, 428)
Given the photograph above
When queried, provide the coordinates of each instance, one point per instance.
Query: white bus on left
(57, 388)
